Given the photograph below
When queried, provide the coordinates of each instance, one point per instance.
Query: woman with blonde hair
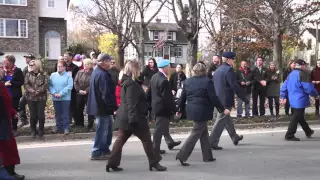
(82, 84)
(36, 85)
(131, 119)
(273, 88)
(200, 94)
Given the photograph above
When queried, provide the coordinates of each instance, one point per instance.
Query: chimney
(158, 20)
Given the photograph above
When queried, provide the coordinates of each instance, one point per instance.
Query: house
(308, 37)
(33, 26)
(162, 41)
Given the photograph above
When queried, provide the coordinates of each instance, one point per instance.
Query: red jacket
(8, 148)
(118, 88)
(315, 76)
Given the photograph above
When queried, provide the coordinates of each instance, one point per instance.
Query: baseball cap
(301, 62)
(104, 57)
(229, 55)
(31, 56)
(1, 53)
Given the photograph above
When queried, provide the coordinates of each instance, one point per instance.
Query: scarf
(9, 72)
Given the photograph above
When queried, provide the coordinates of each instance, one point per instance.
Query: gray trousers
(161, 129)
(199, 131)
(222, 121)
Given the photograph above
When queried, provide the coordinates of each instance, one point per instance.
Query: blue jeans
(103, 138)
(62, 115)
(247, 106)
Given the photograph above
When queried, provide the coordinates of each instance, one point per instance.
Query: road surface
(263, 155)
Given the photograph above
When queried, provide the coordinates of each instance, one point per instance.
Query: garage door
(20, 60)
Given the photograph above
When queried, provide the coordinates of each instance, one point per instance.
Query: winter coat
(133, 109)
(17, 82)
(82, 81)
(315, 76)
(118, 90)
(273, 86)
(297, 88)
(176, 80)
(114, 72)
(258, 76)
(243, 76)
(200, 94)
(147, 74)
(37, 83)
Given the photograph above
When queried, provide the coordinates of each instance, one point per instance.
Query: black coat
(114, 72)
(160, 95)
(211, 70)
(242, 77)
(286, 73)
(257, 77)
(133, 109)
(273, 86)
(200, 94)
(17, 82)
(174, 80)
(147, 74)
(5, 130)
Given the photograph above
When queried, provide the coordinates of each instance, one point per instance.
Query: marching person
(60, 86)
(200, 94)
(13, 79)
(286, 73)
(259, 75)
(315, 79)
(131, 119)
(82, 85)
(23, 100)
(163, 106)
(9, 155)
(102, 104)
(297, 88)
(225, 83)
(36, 86)
(176, 79)
(244, 79)
(273, 88)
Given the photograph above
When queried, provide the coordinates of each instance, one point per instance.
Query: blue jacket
(102, 97)
(225, 82)
(200, 96)
(298, 88)
(61, 84)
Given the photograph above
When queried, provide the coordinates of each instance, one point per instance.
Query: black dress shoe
(216, 148)
(210, 160)
(114, 168)
(236, 141)
(18, 177)
(172, 145)
(158, 167)
(183, 163)
(162, 152)
(310, 134)
(293, 139)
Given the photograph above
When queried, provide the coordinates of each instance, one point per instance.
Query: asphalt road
(263, 155)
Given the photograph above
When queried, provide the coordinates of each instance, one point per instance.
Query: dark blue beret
(229, 55)
(1, 53)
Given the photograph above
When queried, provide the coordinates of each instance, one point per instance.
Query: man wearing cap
(297, 88)
(102, 104)
(163, 106)
(315, 79)
(23, 100)
(226, 86)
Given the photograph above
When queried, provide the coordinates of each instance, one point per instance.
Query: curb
(79, 136)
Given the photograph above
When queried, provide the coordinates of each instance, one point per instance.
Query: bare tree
(142, 7)
(117, 16)
(190, 24)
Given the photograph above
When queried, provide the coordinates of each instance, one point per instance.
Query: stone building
(33, 26)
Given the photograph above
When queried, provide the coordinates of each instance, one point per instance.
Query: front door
(54, 50)
(166, 52)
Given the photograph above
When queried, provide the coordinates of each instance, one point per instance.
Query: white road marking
(135, 139)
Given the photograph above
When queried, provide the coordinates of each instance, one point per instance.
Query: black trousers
(276, 102)
(161, 129)
(123, 135)
(73, 106)
(317, 105)
(287, 107)
(79, 116)
(22, 108)
(10, 170)
(15, 104)
(297, 117)
(37, 109)
(261, 93)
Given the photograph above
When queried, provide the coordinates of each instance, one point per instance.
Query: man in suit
(226, 86)
(163, 106)
(259, 76)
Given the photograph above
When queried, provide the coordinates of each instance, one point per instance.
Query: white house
(309, 39)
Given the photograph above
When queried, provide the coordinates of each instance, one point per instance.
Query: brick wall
(30, 13)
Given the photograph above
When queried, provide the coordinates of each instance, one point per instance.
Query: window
(178, 51)
(51, 3)
(156, 35)
(14, 28)
(309, 44)
(148, 51)
(14, 2)
(170, 36)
